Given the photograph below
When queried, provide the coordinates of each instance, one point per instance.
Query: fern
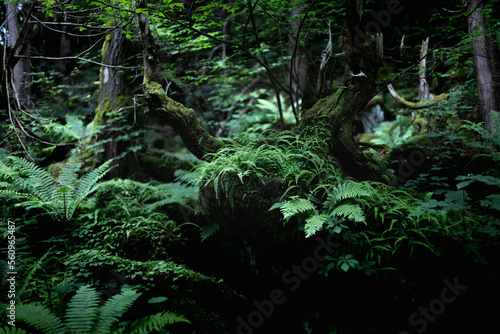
(85, 317)
(289, 155)
(353, 212)
(155, 322)
(294, 206)
(58, 197)
(314, 224)
(41, 318)
(349, 190)
(82, 310)
(114, 308)
(12, 330)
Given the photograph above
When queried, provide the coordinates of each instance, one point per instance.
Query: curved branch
(416, 105)
(183, 120)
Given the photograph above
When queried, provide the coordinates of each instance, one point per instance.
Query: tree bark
(297, 67)
(19, 77)
(423, 89)
(484, 58)
(364, 55)
(114, 95)
(183, 120)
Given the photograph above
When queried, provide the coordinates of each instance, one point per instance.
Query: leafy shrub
(134, 218)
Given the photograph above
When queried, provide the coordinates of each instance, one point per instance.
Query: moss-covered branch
(182, 119)
(416, 105)
(338, 110)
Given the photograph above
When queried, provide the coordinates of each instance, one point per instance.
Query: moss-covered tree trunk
(183, 120)
(114, 95)
(364, 55)
(337, 111)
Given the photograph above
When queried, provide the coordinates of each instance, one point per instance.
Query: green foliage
(393, 133)
(58, 197)
(84, 316)
(12, 330)
(293, 207)
(296, 157)
(387, 216)
(124, 212)
(89, 264)
(258, 115)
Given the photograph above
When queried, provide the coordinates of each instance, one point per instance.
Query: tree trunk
(338, 110)
(423, 88)
(297, 67)
(113, 94)
(484, 58)
(20, 79)
(183, 120)
(364, 55)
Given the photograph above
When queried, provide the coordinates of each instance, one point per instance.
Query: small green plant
(338, 207)
(290, 155)
(59, 197)
(84, 316)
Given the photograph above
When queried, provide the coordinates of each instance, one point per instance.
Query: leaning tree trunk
(364, 55)
(484, 58)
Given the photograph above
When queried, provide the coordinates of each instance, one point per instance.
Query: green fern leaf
(41, 182)
(113, 309)
(314, 224)
(12, 330)
(88, 184)
(41, 318)
(295, 206)
(349, 189)
(69, 173)
(352, 212)
(82, 310)
(155, 322)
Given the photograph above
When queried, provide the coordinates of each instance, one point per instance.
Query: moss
(55, 168)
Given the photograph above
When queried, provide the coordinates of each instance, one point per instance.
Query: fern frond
(295, 206)
(88, 184)
(113, 309)
(155, 322)
(12, 330)
(68, 178)
(349, 189)
(69, 173)
(352, 212)
(82, 310)
(314, 224)
(41, 182)
(41, 318)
